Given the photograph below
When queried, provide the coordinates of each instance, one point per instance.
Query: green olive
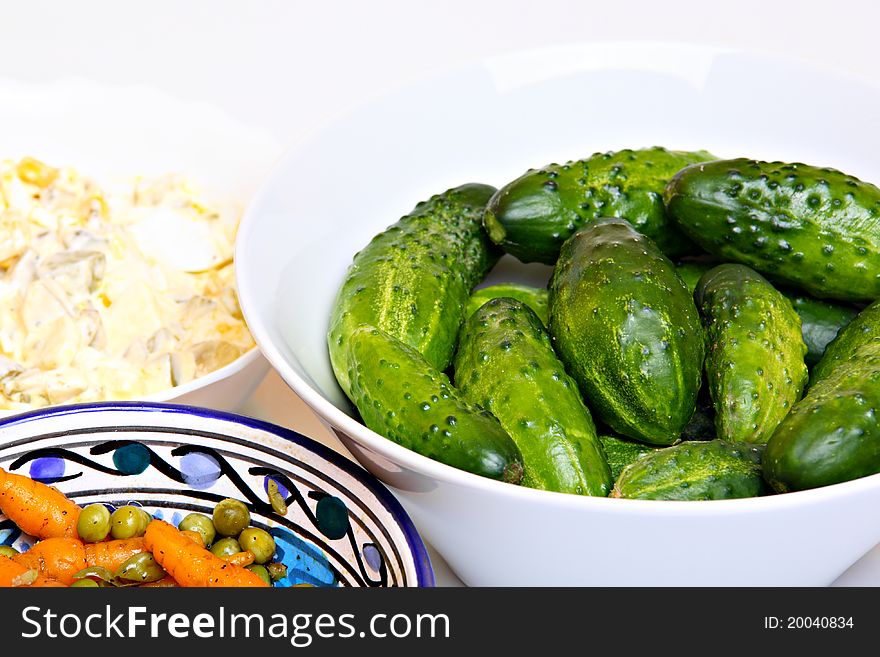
(231, 517)
(94, 523)
(258, 541)
(198, 522)
(225, 546)
(85, 583)
(141, 568)
(128, 522)
(8, 551)
(261, 571)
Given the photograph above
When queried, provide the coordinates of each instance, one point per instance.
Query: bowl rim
(248, 358)
(424, 466)
(421, 559)
(168, 394)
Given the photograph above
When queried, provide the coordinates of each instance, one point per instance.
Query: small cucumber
(626, 327)
(816, 229)
(413, 280)
(620, 452)
(864, 328)
(832, 434)
(402, 397)
(534, 297)
(713, 470)
(820, 320)
(506, 364)
(755, 363)
(531, 217)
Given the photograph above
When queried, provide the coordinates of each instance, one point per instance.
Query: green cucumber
(816, 229)
(832, 435)
(534, 297)
(506, 364)
(627, 329)
(413, 280)
(402, 397)
(864, 328)
(531, 217)
(820, 320)
(713, 470)
(620, 452)
(755, 362)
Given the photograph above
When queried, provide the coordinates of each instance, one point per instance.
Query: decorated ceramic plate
(342, 527)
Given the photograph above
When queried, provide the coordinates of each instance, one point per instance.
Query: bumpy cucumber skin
(755, 361)
(531, 217)
(620, 452)
(863, 328)
(505, 363)
(821, 321)
(628, 331)
(832, 434)
(534, 297)
(413, 280)
(817, 229)
(402, 397)
(713, 470)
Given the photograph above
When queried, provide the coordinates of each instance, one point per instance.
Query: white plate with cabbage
(118, 212)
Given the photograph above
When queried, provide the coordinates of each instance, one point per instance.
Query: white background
(287, 66)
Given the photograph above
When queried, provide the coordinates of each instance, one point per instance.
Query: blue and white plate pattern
(342, 528)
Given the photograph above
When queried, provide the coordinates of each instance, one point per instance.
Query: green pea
(231, 517)
(225, 546)
(146, 518)
(258, 541)
(128, 522)
(94, 523)
(198, 522)
(261, 571)
(85, 583)
(141, 568)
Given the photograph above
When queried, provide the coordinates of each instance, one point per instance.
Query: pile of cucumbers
(709, 331)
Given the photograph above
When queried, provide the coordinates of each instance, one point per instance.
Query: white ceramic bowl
(489, 122)
(115, 132)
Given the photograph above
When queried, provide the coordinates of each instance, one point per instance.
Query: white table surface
(288, 65)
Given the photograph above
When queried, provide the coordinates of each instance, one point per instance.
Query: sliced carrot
(37, 509)
(244, 558)
(10, 572)
(194, 536)
(112, 554)
(62, 558)
(55, 558)
(43, 582)
(192, 565)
